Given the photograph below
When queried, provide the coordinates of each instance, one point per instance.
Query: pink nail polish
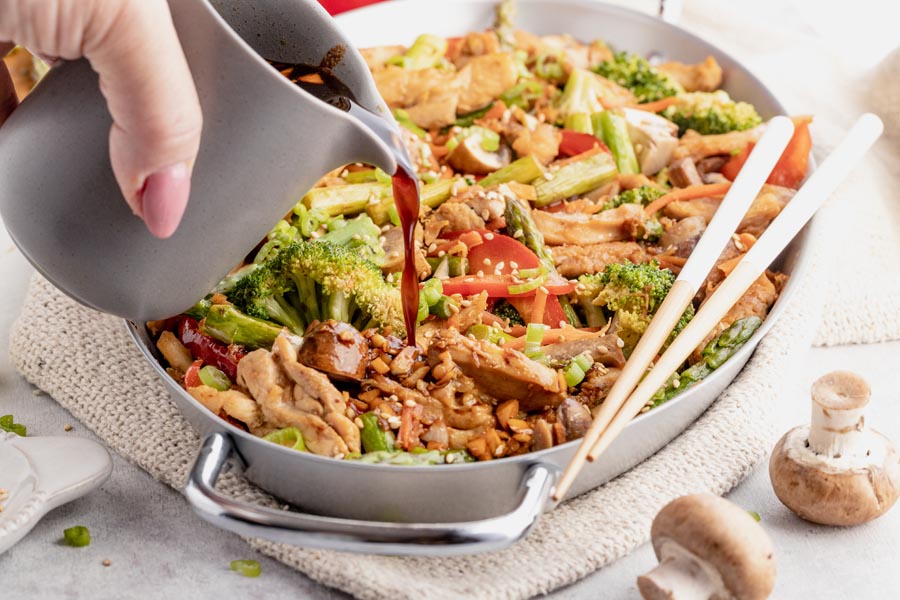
(164, 199)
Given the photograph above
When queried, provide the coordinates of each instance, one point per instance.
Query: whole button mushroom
(708, 548)
(836, 471)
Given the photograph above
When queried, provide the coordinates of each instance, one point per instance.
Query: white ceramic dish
(41, 473)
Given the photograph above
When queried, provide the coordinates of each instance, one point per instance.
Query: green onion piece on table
(289, 437)
(7, 423)
(214, 378)
(247, 568)
(77, 536)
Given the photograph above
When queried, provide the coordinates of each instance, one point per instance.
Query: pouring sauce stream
(320, 82)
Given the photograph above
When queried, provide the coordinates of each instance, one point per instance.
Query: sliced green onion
(77, 536)
(444, 308)
(529, 286)
(7, 423)
(373, 437)
(531, 273)
(577, 368)
(755, 515)
(247, 568)
(534, 335)
(488, 332)
(289, 437)
(423, 312)
(404, 119)
(431, 291)
(452, 143)
(214, 378)
(490, 140)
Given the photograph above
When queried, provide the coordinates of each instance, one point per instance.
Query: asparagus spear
(613, 130)
(713, 356)
(575, 178)
(345, 199)
(523, 170)
(432, 195)
(580, 122)
(230, 326)
(521, 226)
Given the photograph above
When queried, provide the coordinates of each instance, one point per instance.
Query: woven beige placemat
(87, 363)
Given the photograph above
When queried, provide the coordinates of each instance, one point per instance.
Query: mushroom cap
(725, 536)
(841, 390)
(470, 157)
(832, 491)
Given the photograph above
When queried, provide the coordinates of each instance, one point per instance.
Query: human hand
(145, 79)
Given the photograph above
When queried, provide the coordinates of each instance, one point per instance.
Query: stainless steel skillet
(470, 507)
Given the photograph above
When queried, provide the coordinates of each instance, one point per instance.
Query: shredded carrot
(688, 193)
(540, 303)
(552, 336)
(658, 105)
(727, 266)
(496, 111)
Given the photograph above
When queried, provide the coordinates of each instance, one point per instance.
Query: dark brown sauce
(321, 82)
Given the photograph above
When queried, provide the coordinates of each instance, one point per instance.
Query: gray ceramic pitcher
(265, 142)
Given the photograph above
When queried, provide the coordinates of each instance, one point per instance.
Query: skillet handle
(351, 535)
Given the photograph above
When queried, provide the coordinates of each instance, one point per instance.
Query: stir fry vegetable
(563, 185)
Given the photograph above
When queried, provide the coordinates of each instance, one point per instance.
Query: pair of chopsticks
(627, 398)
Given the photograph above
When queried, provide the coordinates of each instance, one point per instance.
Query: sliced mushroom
(471, 157)
(335, 348)
(683, 173)
(654, 139)
(836, 471)
(581, 228)
(708, 548)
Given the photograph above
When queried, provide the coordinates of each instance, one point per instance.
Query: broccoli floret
(261, 294)
(359, 234)
(581, 95)
(635, 73)
(711, 112)
(318, 280)
(631, 292)
(505, 310)
(643, 195)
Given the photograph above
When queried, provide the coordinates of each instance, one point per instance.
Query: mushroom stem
(837, 427)
(681, 574)
(837, 433)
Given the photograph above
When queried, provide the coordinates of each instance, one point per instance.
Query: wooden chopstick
(734, 206)
(777, 236)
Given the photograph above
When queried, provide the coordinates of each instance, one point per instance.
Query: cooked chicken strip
(765, 208)
(501, 372)
(581, 228)
(575, 260)
(700, 146)
(701, 77)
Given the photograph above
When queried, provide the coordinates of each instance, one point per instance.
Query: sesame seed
(106, 562)
(620, 343)
(409, 403)
(442, 254)
(489, 236)
(67, 427)
(480, 273)
(513, 264)
(356, 237)
(487, 262)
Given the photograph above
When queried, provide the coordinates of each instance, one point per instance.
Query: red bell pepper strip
(574, 143)
(210, 351)
(790, 170)
(192, 376)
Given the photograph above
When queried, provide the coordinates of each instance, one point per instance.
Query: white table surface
(159, 549)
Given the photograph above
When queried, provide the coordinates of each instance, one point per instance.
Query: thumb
(8, 98)
(156, 114)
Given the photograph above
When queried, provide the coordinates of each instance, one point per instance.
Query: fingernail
(164, 199)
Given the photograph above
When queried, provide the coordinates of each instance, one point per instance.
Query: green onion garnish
(577, 368)
(431, 291)
(289, 437)
(214, 378)
(247, 568)
(530, 285)
(7, 423)
(534, 335)
(755, 515)
(77, 536)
